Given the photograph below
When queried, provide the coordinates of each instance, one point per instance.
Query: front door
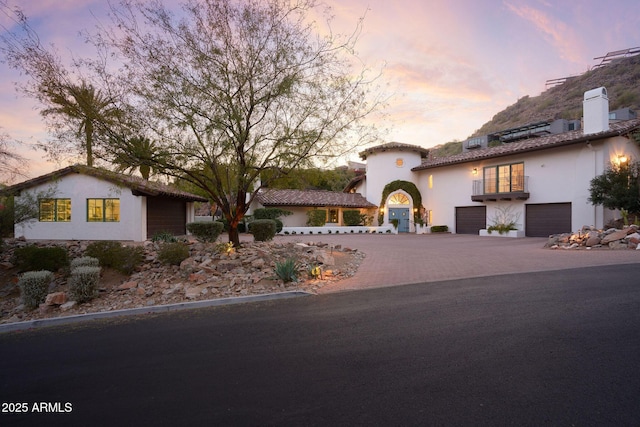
(402, 215)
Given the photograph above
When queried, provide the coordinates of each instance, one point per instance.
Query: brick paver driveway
(409, 258)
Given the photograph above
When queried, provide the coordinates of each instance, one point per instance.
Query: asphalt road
(557, 348)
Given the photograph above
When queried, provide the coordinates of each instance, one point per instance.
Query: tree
(137, 152)
(235, 88)
(618, 187)
(11, 163)
(74, 108)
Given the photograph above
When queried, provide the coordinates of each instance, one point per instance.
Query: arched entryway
(400, 206)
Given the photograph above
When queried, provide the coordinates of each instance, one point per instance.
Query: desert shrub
(205, 231)
(34, 258)
(84, 261)
(262, 229)
(173, 253)
(164, 236)
(83, 283)
(439, 229)
(316, 217)
(287, 270)
(352, 217)
(114, 255)
(34, 286)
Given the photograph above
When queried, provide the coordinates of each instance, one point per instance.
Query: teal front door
(402, 215)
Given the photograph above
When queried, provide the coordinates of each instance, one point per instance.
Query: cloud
(560, 35)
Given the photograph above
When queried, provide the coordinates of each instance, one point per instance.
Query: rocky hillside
(621, 77)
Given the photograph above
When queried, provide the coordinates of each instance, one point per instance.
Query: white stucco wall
(382, 169)
(78, 188)
(557, 175)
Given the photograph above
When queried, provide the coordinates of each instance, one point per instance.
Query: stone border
(54, 321)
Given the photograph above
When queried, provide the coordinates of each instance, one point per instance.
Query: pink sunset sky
(449, 65)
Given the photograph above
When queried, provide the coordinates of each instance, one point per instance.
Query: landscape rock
(589, 237)
(56, 298)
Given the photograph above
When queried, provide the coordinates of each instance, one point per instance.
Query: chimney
(595, 111)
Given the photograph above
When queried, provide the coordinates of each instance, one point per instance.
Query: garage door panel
(164, 214)
(545, 219)
(470, 219)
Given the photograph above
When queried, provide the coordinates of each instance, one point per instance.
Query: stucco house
(86, 203)
(539, 175)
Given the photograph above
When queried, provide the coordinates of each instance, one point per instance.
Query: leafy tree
(235, 88)
(314, 179)
(618, 187)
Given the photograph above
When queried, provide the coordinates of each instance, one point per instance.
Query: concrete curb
(38, 323)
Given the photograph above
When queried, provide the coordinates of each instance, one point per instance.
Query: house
(538, 175)
(86, 203)
(299, 202)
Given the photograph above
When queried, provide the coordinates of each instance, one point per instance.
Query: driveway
(411, 258)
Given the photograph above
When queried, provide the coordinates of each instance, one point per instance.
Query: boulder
(616, 235)
(56, 298)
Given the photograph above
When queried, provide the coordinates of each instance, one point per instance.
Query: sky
(448, 66)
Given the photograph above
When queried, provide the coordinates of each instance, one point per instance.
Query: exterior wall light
(474, 171)
(622, 159)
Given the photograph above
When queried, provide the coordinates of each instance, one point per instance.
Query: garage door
(165, 214)
(548, 218)
(471, 219)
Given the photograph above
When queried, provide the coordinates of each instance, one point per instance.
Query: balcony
(519, 190)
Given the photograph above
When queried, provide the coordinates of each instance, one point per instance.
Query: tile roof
(398, 146)
(532, 144)
(138, 185)
(312, 198)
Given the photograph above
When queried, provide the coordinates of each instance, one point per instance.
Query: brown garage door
(166, 215)
(471, 219)
(548, 218)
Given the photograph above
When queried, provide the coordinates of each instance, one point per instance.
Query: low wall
(340, 230)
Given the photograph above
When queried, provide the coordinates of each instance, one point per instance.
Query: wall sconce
(474, 171)
(382, 210)
(622, 159)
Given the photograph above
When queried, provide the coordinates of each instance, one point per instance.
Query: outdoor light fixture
(474, 171)
(622, 159)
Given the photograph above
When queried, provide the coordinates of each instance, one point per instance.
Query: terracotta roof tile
(312, 198)
(138, 185)
(532, 144)
(394, 146)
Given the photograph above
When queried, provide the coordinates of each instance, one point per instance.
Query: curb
(38, 323)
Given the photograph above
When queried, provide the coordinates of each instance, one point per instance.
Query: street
(554, 348)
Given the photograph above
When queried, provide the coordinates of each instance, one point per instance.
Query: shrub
(173, 253)
(114, 255)
(287, 270)
(34, 286)
(316, 217)
(270, 213)
(352, 217)
(262, 229)
(205, 231)
(164, 236)
(439, 229)
(83, 283)
(85, 261)
(34, 258)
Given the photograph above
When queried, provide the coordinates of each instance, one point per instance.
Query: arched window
(398, 199)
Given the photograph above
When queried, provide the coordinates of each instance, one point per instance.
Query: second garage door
(470, 219)
(547, 218)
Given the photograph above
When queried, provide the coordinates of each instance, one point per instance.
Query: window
(54, 210)
(399, 162)
(103, 210)
(398, 199)
(504, 178)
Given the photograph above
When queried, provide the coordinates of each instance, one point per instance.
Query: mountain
(621, 78)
